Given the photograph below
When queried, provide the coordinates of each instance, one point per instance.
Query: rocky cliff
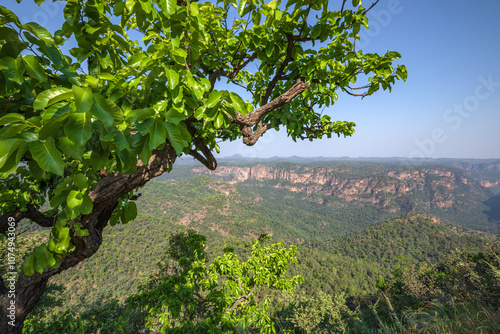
(433, 187)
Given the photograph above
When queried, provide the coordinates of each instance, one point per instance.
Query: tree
(189, 296)
(80, 133)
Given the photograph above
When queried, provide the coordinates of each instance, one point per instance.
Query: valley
(312, 207)
(353, 223)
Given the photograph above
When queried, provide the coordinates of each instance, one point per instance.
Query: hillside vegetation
(359, 239)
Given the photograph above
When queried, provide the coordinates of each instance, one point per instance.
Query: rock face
(425, 187)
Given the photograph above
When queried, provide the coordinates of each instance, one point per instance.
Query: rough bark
(254, 118)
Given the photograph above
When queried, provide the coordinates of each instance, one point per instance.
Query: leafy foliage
(67, 121)
(458, 295)
(189, 296)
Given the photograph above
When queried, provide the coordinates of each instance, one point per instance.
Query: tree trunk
(16, 303)
(26, 297)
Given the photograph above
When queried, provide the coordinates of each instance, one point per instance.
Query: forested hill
(376, 190)
(352, 225)
(346, 242)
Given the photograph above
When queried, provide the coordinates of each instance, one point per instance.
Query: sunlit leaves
(11, 118)
(47, 155)
(157, 133)
(44, 258)
(169, 6)
(190, 277)
(74, 199)
(83, 99)
(194, 9)
(34, 69)
(238, 103)
(50, 96)
(102, 110)
(173, 78)
(78, 128)
(214, 98)
(15, 69)
(42, 33)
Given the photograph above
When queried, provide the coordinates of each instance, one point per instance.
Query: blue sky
(449, 106)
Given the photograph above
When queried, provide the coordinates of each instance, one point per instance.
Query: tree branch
(255, 117)
(32, 214)
(207, 158)
(280, 71)
(241, 299)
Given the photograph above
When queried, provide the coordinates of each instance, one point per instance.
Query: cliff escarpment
(450, 193)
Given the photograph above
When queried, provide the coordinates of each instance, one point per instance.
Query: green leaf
(179, 52)
(269, 50)
(16, 154)
(129, 4)
(7, 148)
(8, 16)
(121, 141)
(238, 103)
(174, 116)
(80, 181)
(79, 231)
(169, 6)
(219, 120)
(15, 69)
(129, 212)
(74, 199)
(57, 200)
(241, 7)
(157, 134)
(86, 206)
(175, 138)
(126, 161)
(102, 110)
(42, 33)
(83, 99)
(142, 114)
(72, 76)
(98, 161)
(200, 112)
(136, 59)
(173, 78)
(29, 265)
(316, 31)
(8, 34)
(34, 69)
(56, 56)
(194, 9)
(70, 148)
(11, 118)
(47, 156)
(78, 128)
(214, 98)
(107, 76)
(63, 239)
(44, 257)
(51, 96)
(51, 128)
